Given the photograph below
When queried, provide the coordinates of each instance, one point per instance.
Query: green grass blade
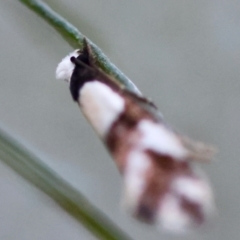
(75, 38)
(32, 168)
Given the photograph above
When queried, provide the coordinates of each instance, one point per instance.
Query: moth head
(66, 66)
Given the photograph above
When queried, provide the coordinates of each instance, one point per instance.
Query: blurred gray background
(185, 55)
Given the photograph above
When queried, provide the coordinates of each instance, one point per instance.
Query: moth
(161, 183)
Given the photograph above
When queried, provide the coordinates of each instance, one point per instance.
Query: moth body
(160, 185)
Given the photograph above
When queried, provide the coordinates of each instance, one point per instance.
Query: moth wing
(160, 185)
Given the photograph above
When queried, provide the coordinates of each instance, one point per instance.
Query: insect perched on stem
(160, 184)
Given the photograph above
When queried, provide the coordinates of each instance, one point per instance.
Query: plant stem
(32, 168)
(75, 38)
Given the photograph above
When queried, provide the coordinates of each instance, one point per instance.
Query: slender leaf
(31, 167)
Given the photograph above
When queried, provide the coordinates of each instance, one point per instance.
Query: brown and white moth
(161, 185)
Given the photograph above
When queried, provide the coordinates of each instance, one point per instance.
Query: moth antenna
(87, 51)
(82, 64)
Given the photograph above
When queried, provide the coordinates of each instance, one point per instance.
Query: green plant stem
(75, 39)
(32, 168)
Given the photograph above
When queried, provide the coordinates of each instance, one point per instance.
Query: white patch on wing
(135, 178)
(65, 67)
(158, 138)
(195, 190)
(101, 105)
(171, 216)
